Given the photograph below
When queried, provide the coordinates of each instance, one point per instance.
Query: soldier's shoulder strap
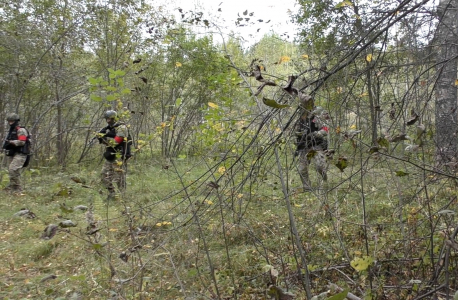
(117, 124)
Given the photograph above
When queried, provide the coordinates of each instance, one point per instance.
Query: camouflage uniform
(15, 164)
(114, 168)
(13, 146)
(311, 145)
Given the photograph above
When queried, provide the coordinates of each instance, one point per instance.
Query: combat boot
(13, 189)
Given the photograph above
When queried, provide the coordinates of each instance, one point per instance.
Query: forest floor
(175, 234)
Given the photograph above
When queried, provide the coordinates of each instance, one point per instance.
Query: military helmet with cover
(12, 117)
(110, 114)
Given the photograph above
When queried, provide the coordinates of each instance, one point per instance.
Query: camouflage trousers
(15, 164)
(304, 160)
(114, 172)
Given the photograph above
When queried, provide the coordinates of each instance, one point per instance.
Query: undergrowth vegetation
(188, 229)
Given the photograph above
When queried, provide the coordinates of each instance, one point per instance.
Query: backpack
(27, 148)
(126, 146)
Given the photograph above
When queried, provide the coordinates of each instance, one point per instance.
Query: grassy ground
(176, 235)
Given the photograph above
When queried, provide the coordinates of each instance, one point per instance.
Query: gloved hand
(103, 130)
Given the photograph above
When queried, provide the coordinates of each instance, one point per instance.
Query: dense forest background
(214, 207)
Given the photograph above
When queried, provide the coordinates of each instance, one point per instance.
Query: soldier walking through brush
(16, 147)
(115, 137)
(312, 144)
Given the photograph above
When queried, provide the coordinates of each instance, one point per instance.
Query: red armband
(325, 128)
(22, 138)
(118, 139)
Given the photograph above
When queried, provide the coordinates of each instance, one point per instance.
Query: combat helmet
(110, 114)
(12, 117)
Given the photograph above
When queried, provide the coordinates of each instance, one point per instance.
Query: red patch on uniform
(22, 138)
(118, 139)
(325, 128)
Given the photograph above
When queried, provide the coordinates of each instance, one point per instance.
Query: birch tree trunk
(446, 89)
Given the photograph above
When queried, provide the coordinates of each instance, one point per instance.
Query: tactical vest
(12, 149)
(123, 148)
(305, 140)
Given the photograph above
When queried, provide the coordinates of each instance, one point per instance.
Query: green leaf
(96, 98)
(112, 97)
(340, 296)
(111, 88)
(93, 81)
(120, 73)
(401, 173)
(126, 91)
(361, 263)
(342, 163)
(178, 102)
(273, 103)
(383, 142)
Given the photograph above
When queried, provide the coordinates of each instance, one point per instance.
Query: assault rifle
(98, 137)
(5, 142)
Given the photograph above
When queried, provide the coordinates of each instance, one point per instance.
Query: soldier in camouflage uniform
(114, 137)
(312, 144)
(16, 150)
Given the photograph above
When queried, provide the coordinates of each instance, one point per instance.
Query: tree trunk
(446, 90)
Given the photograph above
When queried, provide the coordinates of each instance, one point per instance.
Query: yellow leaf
(344, 4)
(209, 202)
(284, 59)
(212, 105)
(178, 64)
(221, 170)
(339, 89)
(305, 56)
(338, 130)
(369, 57)
(364, 94)
(456, 82)
(361, 263)
(353, 126)
(158, 224)
(113, 229)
